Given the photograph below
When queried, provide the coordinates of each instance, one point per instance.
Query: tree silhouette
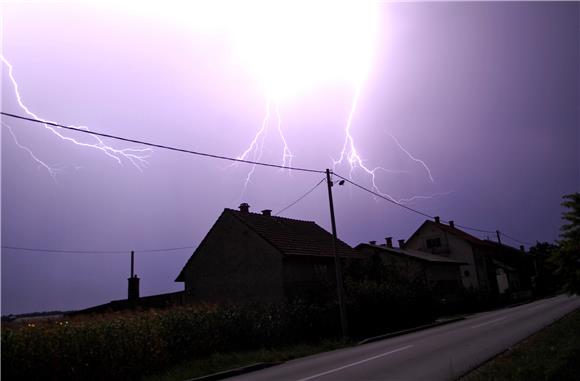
(568, 256)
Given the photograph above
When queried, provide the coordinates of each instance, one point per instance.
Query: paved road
(441, 353)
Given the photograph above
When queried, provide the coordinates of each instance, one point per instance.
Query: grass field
(552, 354)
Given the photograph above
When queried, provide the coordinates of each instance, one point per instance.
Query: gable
(223, 221)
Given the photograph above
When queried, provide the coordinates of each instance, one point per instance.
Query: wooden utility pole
(337, 263)
(498, 237)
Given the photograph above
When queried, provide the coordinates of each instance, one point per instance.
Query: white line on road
(488, 322)
(356, 363)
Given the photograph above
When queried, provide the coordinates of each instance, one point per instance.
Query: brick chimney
(373, 242)
(452, 224)
(267, 212)
(522, 248)
(244, 207)
(389, 241)
(401, 243)
(437, 219)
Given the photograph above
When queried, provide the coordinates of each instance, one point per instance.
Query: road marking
(356, 363)
(488, 322)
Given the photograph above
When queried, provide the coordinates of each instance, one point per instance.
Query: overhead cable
(162, 146)
(301, 197)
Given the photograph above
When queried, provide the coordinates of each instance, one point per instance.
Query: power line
(383, 197)
(423, 213)
(221, 157)
(474, 229)
(94, 251)
(301, 197)
(170, 148)
(517, 240)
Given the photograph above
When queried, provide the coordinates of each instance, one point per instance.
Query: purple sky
(487, 94)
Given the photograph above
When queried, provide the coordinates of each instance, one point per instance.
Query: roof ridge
(261, 215)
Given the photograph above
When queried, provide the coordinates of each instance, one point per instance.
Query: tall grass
(126, 346)
(130, 345)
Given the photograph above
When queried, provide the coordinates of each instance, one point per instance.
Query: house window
(466, 273)
(433, 243)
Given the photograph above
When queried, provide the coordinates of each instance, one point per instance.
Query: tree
(545, 280)
(568, 256)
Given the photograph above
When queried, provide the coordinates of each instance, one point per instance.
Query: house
(489, 268)
(249, 256)
(441, 274)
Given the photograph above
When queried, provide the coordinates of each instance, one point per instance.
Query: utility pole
(498, 237)
(337, 263)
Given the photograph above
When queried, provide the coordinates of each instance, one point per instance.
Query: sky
(474, 107)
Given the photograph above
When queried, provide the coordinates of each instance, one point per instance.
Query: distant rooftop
(420, 255)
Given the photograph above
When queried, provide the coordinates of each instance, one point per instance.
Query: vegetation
(125, 346)
(220, 362)
(567, 257)
(545, 280)
(130, 345)
(551, 354)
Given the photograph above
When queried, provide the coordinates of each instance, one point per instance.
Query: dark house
(441, 274)
(489, 268)
(251, 256)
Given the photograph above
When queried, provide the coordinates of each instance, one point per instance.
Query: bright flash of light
(136, 156)
(293, 46)
(288, 47)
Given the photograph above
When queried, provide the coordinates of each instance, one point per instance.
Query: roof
(456, 232)
(422, 256)
(288, 236)
(293, 237)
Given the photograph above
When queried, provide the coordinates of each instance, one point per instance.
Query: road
(440, 353)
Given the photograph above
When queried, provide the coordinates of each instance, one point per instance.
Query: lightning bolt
(51, 171)
(350, 154)
(136, 156)
(413, 157)
(256, 148)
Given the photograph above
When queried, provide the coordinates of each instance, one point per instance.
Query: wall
(234, 264)
(309, 277)
(452, 247)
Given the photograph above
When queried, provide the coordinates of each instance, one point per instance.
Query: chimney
(133, 288)
(522, 248)
(267, 212)
(133, 292)
(373, 242)
(244, 207)
(437, 219)
(452, 224)
(389, 241)
(401, 243)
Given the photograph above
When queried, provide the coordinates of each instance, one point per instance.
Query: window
(466, 273)
(433, 242)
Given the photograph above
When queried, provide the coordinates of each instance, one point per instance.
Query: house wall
(452, 247)
(234, 263)
(445, 279)
(308, 277)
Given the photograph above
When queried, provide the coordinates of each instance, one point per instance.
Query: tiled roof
(461, 234)
(456, 232)
(427, 257)
(293, 237)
